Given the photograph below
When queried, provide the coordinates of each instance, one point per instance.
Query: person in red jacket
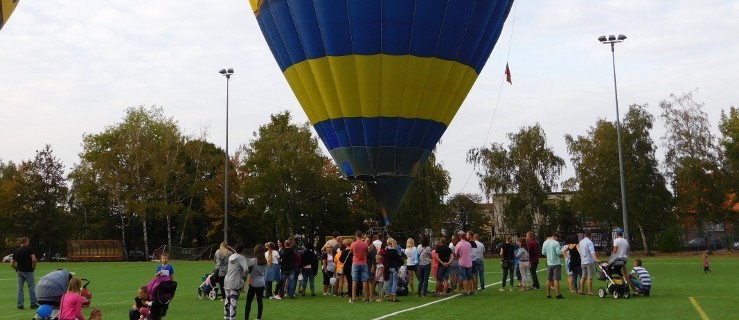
(534, 251)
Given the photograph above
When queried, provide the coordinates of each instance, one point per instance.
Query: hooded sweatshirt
(237, 269)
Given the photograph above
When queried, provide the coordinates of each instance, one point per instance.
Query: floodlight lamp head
(602, 39)
(223, 71)
(231, 70)
(611, 38)
(621, 37)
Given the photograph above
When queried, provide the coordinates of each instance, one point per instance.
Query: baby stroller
(161, 291)
(612, 273)
(401, 289)
(50, 289)
(208, 288)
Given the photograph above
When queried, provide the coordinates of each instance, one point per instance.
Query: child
(639, 279)
(165, 269)
(140, 302)
(380, 277)
(706, 263)
(96, 314)
(71, 304)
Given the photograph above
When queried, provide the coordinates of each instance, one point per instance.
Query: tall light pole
(227, 73)
(613, 40)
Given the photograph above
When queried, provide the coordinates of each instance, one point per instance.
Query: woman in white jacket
(234, 282)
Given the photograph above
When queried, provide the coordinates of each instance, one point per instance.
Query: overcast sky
(73, 67)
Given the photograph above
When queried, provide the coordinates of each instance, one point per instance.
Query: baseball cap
(619, 232)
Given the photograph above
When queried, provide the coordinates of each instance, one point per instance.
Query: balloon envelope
(381, 80)
(6, 9)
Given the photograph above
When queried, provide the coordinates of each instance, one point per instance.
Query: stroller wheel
(615, 294)
(213, 294)
(201, 293)
(626, 294)
(602, 292)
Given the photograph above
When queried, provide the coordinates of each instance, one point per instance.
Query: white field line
(431, 303)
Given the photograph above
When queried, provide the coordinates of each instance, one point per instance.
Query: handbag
(341, 268)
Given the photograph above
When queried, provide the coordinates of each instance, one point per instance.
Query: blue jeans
(28, 278)
(481, 272)
(290, 277)
(360, 273)
(392, 282)
(308, 277)
(507, 271)
(640, 286)
(423, 278)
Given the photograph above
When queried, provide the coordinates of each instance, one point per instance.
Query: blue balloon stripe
(306, 24)
(380, 132)
(462, 31)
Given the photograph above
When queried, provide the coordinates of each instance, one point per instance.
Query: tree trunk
(123, 231)
(169, 232)
(146, 235)
(647, 251)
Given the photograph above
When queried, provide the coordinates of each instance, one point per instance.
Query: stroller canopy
(51, 287)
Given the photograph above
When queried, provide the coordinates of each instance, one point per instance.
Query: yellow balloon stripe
(6, 8)
(380, 86)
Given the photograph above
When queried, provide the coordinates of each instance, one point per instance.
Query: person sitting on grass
(141, 301)
(640, 279)
(96, 314)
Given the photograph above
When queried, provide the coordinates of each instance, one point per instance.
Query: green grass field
(676, 280)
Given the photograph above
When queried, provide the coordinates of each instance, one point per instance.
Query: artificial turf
(676, 280)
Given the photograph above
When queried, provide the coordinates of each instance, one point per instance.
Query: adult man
(552, 249)
(24, 262)
(621, 247)
(360, 272)
(464, 252)
(331, 244)
(480, 261)
(444, 257)
(378, 241)
(371, 262)
(534, 249)
(642, 281)
(588, 259)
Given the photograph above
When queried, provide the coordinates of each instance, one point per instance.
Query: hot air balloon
(381, 80)
(6, 9)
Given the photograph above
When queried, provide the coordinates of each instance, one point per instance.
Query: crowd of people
(370, 268)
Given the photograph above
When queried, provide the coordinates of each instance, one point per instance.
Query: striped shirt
(643, 275)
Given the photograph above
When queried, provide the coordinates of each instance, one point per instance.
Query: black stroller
(161, 291)
(612, 273)
(50, 289)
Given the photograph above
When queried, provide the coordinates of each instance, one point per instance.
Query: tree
(137, 164)
(423, 206)
(466, 214)
(692, 160)
(42, 193)
(528, 169)
(285, 181)
(595, 158)
(729, 127)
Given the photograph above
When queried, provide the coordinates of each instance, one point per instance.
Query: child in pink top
(380, 277)
(71, 304)
(706, 263)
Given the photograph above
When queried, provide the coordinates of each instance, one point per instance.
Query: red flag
(508, 74)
